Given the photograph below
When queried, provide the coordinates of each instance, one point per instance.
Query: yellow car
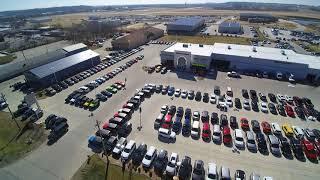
(87, 103)
(287, 129)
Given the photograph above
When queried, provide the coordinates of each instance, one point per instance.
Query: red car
(120, 83)
(226, 135)
(105, 124)
(206, 132)
(309, 149)
(167, 121)
(266, 127)
(289, 111)
(244, 124)
(317, 147)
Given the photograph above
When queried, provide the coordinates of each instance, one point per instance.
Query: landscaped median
(95, 168)
(6, 59)
(15, 143)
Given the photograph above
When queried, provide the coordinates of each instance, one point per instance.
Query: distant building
(230, 28)
(137, 38)
(257, 17)
(243, 58)
(74, 49)
(185, 25)
(48, 74)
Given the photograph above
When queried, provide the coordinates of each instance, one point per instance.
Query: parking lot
(74, 144)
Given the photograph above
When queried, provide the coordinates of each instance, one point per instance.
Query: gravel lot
(63, 158)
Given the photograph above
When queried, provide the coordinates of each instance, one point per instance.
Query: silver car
(251, 143)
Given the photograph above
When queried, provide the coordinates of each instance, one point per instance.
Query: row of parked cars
(119, 126)
(159, 68)
(160, 42)
(221, 132)
(58, 127)
(171, 165)
(120, 55)
(27, 112)
(82, 101)
(79, 93)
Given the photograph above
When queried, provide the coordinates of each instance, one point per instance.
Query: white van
(276, 129)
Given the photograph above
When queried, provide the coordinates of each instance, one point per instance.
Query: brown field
(207, 39)
(67, 20)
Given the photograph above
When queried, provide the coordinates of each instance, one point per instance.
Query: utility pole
(4, 99)
(140, 126)
(103, 147)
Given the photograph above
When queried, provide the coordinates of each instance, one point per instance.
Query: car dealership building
(190, 57)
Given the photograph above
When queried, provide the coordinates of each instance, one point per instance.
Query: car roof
(206, 126)
(273, 139)
(164, 130)
(130, 144)
(151, 150)
(238, 133)
(250, 135)
(216, 128)
(212, 168)
(196, 124)
(225, 172)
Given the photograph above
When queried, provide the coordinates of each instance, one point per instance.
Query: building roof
(230, 24)
(74, 47)
(195, 49)
(192, 21)
(267, 53)
(56, 66)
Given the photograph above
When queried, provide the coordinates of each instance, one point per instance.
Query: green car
(112, 90)
(94, 104)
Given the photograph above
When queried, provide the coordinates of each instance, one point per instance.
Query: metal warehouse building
(257, 17)
(242, 58)
(45, 75)
(185, 25)
(74, 49)
(137, 38)
(230, 28)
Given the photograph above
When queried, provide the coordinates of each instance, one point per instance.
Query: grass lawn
(96, 171)
(18, 147)
(207, 39)
(6, 59)
(314, 48)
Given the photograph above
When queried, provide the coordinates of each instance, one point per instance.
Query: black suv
(262, 144)
(110, 144)
(198, 172)
(205, 97)
(161, 161)
(297, 148)
(180, 111)
(285, 147)
(214, 118)
(138, 154)
(233, 122)
(198, 96)
(185, 168)
(245, 93)
(255, 125)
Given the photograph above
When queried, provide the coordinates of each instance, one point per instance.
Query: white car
(281, 97)
(172, 164)
(298, 132)
(246, 104)
(166, 134)
(276, 129)
(288, 98)
(119, 147)
(291, 78)
(149, 157)
(184, 94)
(126, 153)
(196, 116)
(213, 98)
(264, 107)
(177, 92)
(164, 109)
(238, 140)
(212, 173)
(229, 101)
(216, 133)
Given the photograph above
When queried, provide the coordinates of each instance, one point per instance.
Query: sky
(29, 4)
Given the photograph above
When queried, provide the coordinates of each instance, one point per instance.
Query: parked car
(212, 172)
(206, 132)
(274, 145)
(296, 147)
(225, 173)
(266, 127)
(244, 123)
(287, 129)
(185, 168)
(285, 147)
(251, 143)
(239, 141)
(161, 161)
(149, 157)
(128, 150)
(138, 154)
(172, 164)
(198, 172)
(276, 130)
(261, 142)
(233, 122)
(239, 175)
(116, 152)
(255, 125)
(166, 135)
(227, 138)
(309, 149)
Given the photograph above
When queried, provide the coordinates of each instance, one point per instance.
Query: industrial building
(137, 38)
(230, 28)
(258, 18)
(185, 26)
(45, 75)
(74, 49)
(241, 58)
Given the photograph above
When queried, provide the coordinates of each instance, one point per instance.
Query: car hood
(196, 176)
(170, 169)
(275, 150)
(116, 150)
(251, 146)
(124, 155)
(239, 143)
(216, 137)
(146, 162)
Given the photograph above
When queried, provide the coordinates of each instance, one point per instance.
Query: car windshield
(127, 150)
(239, 138)
(170, 164)
(275, 145)
(194, 129)
(148, 157)
(197, 171)
(212, 176)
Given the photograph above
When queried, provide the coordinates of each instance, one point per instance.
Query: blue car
(177, 124)
(186, 128)
(171, 91)
(95, 143)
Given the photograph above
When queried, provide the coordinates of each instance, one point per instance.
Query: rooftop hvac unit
(229, 47)
(283, 52)
(200, 45)
(254, 49)
(185, 45)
